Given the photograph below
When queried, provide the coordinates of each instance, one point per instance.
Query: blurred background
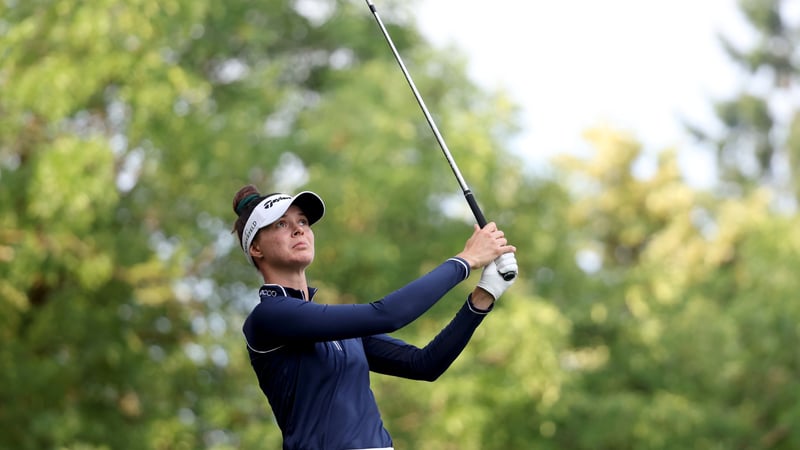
(644, 160)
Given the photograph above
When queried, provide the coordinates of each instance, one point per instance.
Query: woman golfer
(313, 360)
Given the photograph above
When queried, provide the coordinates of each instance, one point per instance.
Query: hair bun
(244, 197)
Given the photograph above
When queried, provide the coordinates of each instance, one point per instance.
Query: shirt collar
(276, 290)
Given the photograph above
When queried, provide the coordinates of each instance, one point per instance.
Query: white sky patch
(316, 11)
(290, 173)
(589, 261)
(637, 66)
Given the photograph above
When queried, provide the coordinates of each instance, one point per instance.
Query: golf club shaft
(473, 204)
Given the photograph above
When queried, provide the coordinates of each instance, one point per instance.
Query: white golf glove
(491, 279)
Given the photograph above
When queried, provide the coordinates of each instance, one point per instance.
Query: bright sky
(637, 65)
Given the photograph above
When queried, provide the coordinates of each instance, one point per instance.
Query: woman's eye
(280, 224)
(303, 222)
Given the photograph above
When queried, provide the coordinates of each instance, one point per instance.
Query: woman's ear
(255, 251)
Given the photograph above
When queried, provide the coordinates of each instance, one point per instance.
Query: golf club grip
(476, 210)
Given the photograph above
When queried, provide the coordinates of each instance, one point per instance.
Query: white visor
(272, 208)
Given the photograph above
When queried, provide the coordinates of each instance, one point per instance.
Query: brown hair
(245, 200)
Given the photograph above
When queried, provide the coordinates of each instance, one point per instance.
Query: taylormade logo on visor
(268, 202)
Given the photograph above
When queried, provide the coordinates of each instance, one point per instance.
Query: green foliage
(692, 295)
(128, 126)
(647, 314)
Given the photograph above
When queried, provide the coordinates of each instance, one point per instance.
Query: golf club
(473, 204)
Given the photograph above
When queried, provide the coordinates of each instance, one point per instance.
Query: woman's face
(287, 243)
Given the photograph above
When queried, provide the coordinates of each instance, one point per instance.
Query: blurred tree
(127, 128)
(685, 312)
(759, 139)
(647, 314)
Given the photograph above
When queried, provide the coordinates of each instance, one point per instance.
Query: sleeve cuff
(464, 263)
(477, 310)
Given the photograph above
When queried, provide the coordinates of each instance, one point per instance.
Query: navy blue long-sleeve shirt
(313, 360)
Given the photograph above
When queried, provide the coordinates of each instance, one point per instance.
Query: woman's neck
(290, 279)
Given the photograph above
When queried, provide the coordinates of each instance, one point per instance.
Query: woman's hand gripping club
(488, 248)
